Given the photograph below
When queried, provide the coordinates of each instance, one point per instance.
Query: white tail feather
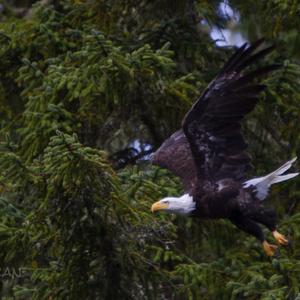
(262, 184)
(284, 177)
(284, 167)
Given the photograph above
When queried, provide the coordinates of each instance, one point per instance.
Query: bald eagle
(209, 153)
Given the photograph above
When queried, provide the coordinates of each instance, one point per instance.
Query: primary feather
(211, 143)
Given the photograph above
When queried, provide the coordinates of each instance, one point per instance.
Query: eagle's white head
(183, 205)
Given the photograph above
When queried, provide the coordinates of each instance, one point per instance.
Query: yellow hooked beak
(159, 206)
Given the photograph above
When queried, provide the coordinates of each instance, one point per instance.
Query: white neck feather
(183, 205)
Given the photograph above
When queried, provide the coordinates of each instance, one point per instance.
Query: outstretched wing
(175, 155)
(213, 125)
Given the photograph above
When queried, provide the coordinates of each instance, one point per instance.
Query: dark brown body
(228, 199)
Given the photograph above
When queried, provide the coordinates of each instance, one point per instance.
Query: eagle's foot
(269, 249)
(280, 238)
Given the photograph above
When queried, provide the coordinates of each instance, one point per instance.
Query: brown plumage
(209, 152)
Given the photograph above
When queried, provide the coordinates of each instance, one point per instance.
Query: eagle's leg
(280, 238)
(267, 217)
(254, 229)
(269, 249)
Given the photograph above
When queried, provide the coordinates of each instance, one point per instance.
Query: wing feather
(175, 155)
(212, 126)
(211, 144)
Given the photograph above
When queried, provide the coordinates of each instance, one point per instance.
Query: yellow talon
(280, 238)
(269, 248)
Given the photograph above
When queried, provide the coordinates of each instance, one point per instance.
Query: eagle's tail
(261, 185)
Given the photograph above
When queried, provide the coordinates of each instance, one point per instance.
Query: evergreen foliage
(88, 89)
